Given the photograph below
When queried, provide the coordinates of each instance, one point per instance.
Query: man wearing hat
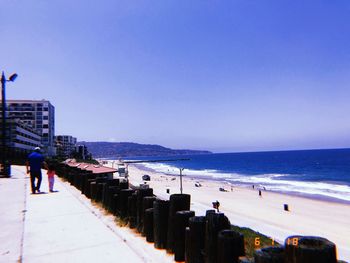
(35, 161)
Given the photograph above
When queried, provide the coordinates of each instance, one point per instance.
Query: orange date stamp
(294, 241)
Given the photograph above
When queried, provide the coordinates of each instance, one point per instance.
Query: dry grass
(254, 240)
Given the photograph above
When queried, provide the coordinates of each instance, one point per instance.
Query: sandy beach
(245, 208)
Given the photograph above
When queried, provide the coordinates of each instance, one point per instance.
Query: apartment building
(65, 145)
(20, 137)
(38, 114)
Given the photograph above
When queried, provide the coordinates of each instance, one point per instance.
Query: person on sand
(216, 205)
(51, 177)
(33, 166)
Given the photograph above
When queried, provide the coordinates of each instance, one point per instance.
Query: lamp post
(5, 171)
(181, 169)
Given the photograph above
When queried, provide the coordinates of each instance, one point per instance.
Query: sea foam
(271, 182)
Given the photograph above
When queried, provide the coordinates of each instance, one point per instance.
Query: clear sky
(226, 76)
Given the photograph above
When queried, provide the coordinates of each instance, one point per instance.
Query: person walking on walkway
(51, 177)
(35, 161)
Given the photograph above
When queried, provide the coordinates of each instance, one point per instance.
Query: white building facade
(21, 137)
(40, 115)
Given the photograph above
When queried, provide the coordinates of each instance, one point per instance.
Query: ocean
(318, 174)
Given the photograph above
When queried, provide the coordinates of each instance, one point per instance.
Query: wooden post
(178, 202)
(160, 223)
(123, 201)
(105, 193)
(211, 211)
(215, 223)
(114, 205)
(196, 240)
(141, 193)
(146, 203)
(87, 190)
(99, 192)
(132, 210)
(93, 189)
(84, 184)
(181, 222)
(230, 246)
(108, 198)
(148, 225)
(124, 184)
(305, 249)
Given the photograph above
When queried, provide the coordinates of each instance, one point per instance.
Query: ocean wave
(272, 182)
(311, 188)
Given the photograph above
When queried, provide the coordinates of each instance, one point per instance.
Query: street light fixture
(12, 77)
(6, 168)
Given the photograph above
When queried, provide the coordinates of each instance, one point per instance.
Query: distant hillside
(129, 149)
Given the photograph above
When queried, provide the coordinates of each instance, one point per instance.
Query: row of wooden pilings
(171, 225)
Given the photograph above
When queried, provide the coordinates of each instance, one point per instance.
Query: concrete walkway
(63, 227)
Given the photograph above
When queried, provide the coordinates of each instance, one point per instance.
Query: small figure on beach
(33, 166)
(260, 193)
(51, 177)
(216, 205)
(253, 186)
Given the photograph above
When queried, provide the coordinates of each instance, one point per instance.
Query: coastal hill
(129, 149)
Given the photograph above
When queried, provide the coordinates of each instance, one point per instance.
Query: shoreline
(265, 214)
(249, 186)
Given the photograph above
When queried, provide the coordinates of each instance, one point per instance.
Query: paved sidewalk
(12, 207)
(63, 227)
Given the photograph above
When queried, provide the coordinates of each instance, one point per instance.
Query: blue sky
(239, 75)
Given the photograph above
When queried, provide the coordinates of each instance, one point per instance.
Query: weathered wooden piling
(114, 203)
(84, 183)
(124, 184)
(146, 203)
(132, 210)
(123, 201)
(306, 249)
(108, 196)
(160, 223)
(105, 190)
(215, 223)
(177, 202)
(148, 225)
(180, 224)
(141, 193)
(230, 246)
(93, 189)
(211, 211)
(87, 190)
(99, 193)
(195, 243)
